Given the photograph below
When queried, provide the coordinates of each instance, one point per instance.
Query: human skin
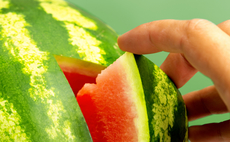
(194, 45)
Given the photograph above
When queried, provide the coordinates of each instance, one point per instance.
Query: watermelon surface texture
(167, 114)
(114, 107)
(38, 41)
(36, 101)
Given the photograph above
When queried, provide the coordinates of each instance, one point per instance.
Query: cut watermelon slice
(114, 107)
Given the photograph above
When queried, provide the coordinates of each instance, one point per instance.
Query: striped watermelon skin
(36, 101)
(165, 107)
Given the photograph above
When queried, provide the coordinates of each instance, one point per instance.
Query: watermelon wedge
(114, 107)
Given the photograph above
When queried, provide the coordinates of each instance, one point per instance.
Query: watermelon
(36, 100)
(114, 107)
(49, 46)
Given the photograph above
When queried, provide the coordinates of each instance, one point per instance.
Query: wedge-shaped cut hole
(78, 72)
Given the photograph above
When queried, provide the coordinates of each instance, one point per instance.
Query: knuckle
(197, 24)
(224, 26)
(227, 22)
(193, 29)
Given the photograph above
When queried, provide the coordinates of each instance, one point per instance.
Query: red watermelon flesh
(78, 72)
(81, 80)
(110, 106)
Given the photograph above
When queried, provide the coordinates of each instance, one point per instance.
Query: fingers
(200, 104)
(215, 132)
(200, 41)
(204, 45)
(196, 39)
(178, 69)
(153, 37)
(203, 103)
(224, 26)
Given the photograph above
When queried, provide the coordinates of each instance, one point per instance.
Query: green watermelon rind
(130, 67)
(166, 109)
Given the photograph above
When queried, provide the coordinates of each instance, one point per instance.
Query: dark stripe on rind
(178, 132)
(181, 121)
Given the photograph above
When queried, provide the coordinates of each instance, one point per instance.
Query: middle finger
(178, 69)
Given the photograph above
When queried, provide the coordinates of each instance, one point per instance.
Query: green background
(124, 15)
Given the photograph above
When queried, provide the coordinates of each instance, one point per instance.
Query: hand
(194, 45)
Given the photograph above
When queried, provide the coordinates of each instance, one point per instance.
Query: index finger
(205, 46)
